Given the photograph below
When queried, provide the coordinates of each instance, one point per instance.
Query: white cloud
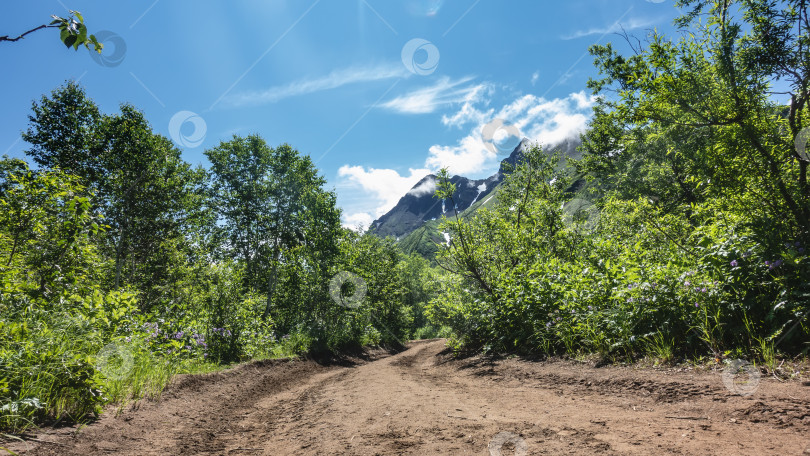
(361, 219)
(373, 192)
(333, 80)
(630, 24)
(381, 189)
(535, 77)
(443, 93)
(468, 158)
(427, 187)
(548, 122)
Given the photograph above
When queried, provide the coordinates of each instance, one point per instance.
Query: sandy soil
(424, 402)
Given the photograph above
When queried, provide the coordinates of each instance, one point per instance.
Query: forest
(122, 265)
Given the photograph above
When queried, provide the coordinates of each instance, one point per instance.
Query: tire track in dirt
(423, 401)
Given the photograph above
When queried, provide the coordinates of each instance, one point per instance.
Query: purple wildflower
(697, 305)
(734, 263)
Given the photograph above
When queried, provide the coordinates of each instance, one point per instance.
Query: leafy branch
(73, 32)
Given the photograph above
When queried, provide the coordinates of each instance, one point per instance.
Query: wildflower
(703, 290)
(687, 283)
(767, 263)
(548, 325)
(798, 244)
(734, 263)
(179, 335)
(590, 307)
(697, 305)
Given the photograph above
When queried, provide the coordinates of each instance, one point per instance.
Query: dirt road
(423, 402)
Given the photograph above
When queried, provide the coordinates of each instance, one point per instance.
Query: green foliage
(636, 280)
(72, 32)
(120, 265)
(277, 215)
(51, 318)
(703, 214)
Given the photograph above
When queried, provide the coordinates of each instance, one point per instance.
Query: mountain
(414, 219)
(419, 205)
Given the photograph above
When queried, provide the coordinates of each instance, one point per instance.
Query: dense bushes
(700, 183)
(629, 281)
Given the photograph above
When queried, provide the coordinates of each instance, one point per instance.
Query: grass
(52, 388)
(661, 348)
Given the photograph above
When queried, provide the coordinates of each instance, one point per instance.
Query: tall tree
(271, 202)
(713, 88)
(148, 195)
(144, 194)
(61, 131)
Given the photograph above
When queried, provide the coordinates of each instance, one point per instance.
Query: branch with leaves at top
(73, 32)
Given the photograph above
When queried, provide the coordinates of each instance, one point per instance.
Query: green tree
(151, 199)
(146, 193)
(10, 167)
(62, 130)
(274, 212)
(701, 105)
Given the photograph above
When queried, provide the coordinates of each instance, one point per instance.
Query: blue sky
(378, 93)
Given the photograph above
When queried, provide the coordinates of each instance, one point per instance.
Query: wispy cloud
(333, 80)
(443, 93)
(629, 24)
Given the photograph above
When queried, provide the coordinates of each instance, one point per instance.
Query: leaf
(82, 37)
